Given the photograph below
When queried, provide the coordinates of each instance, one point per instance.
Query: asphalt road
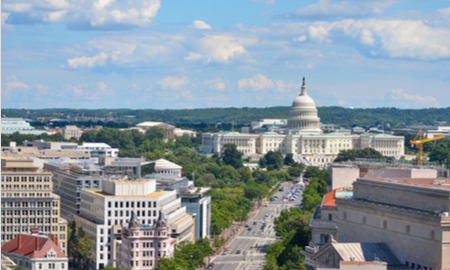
(253, 243)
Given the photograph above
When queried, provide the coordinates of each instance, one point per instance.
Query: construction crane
(418, 140)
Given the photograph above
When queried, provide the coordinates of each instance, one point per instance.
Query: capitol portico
(303, 137)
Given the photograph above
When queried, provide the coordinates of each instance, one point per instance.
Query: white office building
(103, 212)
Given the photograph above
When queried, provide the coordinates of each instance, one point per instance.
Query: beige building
(70, 132)
(28, 202)
(303, 137)
(343, 174)
(30, 151)
(410, 216)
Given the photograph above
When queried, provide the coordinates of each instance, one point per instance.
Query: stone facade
(28, 202)
(409, 215)
(70, 132)
(303, 137)
(144, 245)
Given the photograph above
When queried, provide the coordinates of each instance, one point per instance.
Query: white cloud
(98, 60)
(223, 48)
(257, 83)
(90, 91)
(301, 38)
(187, 95)
(192, 56)
(11, 85)
(392, 38)
(173, 82)
(56, 16)
(200, 25)
(218, 84)
(399, 97)
(84, 14)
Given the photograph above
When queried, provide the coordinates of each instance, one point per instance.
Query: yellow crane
(418, 140)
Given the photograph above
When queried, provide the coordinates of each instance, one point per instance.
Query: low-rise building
(142, 246)
(36, 251)
(70, 132)
(11, 125)
(99, 149)
(33, 152)
(27, 202)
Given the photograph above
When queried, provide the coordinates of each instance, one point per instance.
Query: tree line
(346, 117)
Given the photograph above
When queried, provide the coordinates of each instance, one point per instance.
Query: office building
(33, 152)
(142, 246)
(35, 251)
(28, 202)
(104, 211)
(411, 216)
(69, 178)
(99, 149)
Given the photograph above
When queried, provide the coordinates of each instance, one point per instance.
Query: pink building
(143, 245)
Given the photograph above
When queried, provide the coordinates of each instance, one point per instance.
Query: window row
(132, 204)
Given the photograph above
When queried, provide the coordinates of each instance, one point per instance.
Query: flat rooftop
(156, 194)
(440, 183)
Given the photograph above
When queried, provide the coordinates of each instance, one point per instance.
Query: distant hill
(330, 115)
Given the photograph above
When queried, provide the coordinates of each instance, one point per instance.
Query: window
(330, 217)
(138, 204)
(109, 204)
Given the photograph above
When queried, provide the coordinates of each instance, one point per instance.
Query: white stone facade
(304, 138)
(103, 212)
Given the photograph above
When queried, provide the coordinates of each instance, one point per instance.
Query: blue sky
(234, 53)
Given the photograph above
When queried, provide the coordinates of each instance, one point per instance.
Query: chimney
(34, 231)
(37, 243)
(19, 241)
(52, 237)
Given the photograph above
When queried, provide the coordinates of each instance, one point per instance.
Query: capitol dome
(303, 114)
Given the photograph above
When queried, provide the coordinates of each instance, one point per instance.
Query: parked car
(255, 222)
(238, 251)
(249, 228)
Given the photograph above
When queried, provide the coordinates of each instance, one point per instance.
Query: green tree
(231, 156)
(252, 191)
(272, 160)
(289, 159)
(440, 154)
(86, 250)
(155, 133)
(296, 170)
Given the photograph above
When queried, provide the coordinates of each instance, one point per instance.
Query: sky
(153, 54)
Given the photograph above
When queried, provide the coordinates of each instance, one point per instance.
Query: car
(262, 227)
(210, 266)
(246, 224)
(227, 248)
(255, 222)
(224, 252)
(238, 251)
(249, 228)
(266, 204)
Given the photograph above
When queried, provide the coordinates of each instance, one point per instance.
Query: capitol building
(301, 135)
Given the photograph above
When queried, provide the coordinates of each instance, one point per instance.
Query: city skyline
(156, 54)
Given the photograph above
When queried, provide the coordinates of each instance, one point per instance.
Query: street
(252, 244)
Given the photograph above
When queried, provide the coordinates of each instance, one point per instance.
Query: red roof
(357, 263)
(32, 246)
(330, 199)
